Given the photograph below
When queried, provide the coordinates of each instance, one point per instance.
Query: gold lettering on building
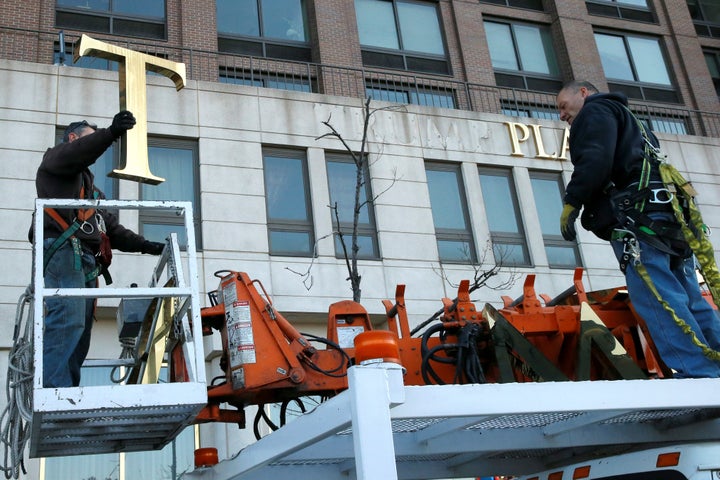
(513, 129)
(133, 96)
(520, 133)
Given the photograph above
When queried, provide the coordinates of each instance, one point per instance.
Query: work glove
(122, 122)
(567, 222)
(153, 248)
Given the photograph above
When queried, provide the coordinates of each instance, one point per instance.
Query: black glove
(122, 122)
(153, 248)
(567, 222)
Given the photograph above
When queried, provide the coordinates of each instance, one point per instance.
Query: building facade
(467, 159)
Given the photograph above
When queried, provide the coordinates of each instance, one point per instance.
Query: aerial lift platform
(380, 429)
(144, 414)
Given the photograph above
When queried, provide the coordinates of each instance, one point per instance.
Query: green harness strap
(694, 231)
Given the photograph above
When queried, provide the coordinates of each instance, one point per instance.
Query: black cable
(333, 345)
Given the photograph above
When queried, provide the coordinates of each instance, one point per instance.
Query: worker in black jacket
(77, 244)
(625, 201)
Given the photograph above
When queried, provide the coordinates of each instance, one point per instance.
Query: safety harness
(688, 235)
(80, 222)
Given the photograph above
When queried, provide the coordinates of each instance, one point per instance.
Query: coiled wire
(17, 417)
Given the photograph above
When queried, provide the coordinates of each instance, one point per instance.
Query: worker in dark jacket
(608, 148)
(77, 244)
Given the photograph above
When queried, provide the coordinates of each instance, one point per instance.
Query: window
(342, 179)
(450, 215)
(706, 17)
(629, 60)
(664, 124)
(401, 34)
(713, 63)
(263, 28)
(133, 18)
(548, 193)
(430, 97)
(177, 162)
(503, 217)
(168, 463)
(531, 4)
(287, 197)
(279, 81)
(627, 9)
(523, 56)
(529, 111)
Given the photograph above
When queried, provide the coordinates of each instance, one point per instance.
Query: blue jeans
(678, 286)
(68, 320)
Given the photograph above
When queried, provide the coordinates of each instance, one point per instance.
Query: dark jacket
(606, 145)
(62, 172)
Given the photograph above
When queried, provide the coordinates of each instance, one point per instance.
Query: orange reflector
(668, 459)
(377, 346)
(206, 457)
(555, 476)
(581, 472)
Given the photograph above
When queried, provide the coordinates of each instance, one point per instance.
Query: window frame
(704, 27)
(267, 47)
(515, 4)
(503, 239)
(368, 229)
(637, 89)
(231, 76)
(715, 55)
(454, 234)
(412, 93)
(285, 225)
(164, 217)
(521, 78)
(112, 18)
(619, 9)
(409, 60)
(554, 239)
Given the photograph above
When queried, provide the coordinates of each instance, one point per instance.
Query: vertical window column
(503, 216)
(450, 214)
(287, 197)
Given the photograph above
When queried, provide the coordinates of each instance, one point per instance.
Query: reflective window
(705, 10)
(521, 47)
(637, 10)
(287, 197)
(531, 4)
(634, 59)
(548, 194)
(416, 96)
(450, 215)
(278, 19)
(503, 217)
(342, 179)
(412, 28)
(135, 18)
(280, 82)
(176, 161)
(713, 63)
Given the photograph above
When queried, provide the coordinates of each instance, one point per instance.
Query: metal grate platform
(117, 418)
(460, 431)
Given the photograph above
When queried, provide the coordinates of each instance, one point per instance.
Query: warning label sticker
(241, 345)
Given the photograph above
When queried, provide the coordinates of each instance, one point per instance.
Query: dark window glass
(503, 217)
(450, 215)
(548, 194)
(177, 162)
(426, 97)
(280, 82)
(283, 20)
(138, 18)
(637, 10)
(410, 27)
(287, 198)
(342, 180)
(705, 11)
(530, 4)
(713, 63)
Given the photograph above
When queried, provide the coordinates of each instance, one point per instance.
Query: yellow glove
(567, 222)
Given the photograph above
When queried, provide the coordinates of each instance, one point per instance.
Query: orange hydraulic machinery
(264, 358)
(577, 335)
